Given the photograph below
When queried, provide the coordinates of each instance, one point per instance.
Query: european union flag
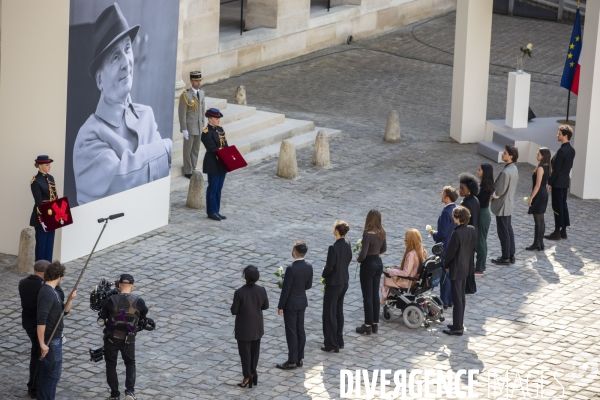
(570, 76)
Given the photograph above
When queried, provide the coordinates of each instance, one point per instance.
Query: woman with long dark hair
(538, 201)
(485, 173)
(468, 189)
(249, 301)
(371, 268)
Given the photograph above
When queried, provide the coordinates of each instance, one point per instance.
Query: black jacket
(472, 203)
(339, 257)
(41, 185)
(460, 252)
(297, 280)
(248, 303)
(211, 140)
(562, 162)
(29, 288)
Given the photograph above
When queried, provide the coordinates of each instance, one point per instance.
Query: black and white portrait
(120, 95)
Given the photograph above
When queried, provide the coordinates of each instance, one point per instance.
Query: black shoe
(364, 329)
(556, 235)
(189, 176)
(341, 347)
(330, 350)
(299, 364)
(445, 306)
(453, 332)
(501, 261)
(534, 247)
(374, 328)
(450, 304)
(513, 260)
(246, 383)
(450, 326)
(221, 216)
(33, 395)
(287, 365)
(255, 379)
(563, 234)
(214, 217)
(111, 398)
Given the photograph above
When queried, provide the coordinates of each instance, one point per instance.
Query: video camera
(101, 293)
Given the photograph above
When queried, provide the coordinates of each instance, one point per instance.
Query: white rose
(359, 242)
(280, 270)
(529, 46)
(429, 228)
(525, 198)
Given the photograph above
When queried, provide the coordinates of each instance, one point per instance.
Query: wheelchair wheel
(386, 313)
(413, 316)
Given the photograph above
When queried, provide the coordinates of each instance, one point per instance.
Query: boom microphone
(114, 216)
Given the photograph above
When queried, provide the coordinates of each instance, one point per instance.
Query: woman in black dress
(248, 303)
(468, 189)
(371, 268)
(539, 197)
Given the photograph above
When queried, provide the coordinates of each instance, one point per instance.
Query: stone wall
(279, 30)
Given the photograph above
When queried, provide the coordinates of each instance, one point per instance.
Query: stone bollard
(321, 152)
(196, 197)
(240, 96)
(26, 257)
(392, 128)
(287, 167)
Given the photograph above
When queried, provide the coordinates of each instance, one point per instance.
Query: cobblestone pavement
(539, 313)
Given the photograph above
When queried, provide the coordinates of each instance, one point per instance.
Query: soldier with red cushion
(43, 189)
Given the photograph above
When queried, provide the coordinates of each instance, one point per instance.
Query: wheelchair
(417, 304)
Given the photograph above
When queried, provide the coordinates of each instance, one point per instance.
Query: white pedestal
(517, 99)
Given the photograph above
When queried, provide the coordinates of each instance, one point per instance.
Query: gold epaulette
(32, 180)
(203, 131)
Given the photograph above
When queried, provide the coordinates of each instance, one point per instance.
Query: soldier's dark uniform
(43, 189)
(213, 138)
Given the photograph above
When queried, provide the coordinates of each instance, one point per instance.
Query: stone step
(300, 141)
(256, 156)
(231, 113)
(503, 139)
(491, 150)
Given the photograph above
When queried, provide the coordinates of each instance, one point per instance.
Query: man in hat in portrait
(213, 138)
(119, 146)
(191, 122)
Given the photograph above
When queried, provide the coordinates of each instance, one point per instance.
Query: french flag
(570, 76)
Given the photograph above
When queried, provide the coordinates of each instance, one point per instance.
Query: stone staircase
(257, 135)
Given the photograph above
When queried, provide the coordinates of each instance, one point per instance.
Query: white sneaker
(130, 396)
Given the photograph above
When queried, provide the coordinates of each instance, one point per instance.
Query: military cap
(213, 113)
(195, 75)
(44, 159)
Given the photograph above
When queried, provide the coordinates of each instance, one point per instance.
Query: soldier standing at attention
(43, 190)
(213, 138)
(191, 122)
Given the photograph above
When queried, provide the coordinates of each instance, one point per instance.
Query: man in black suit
(559, 183)
(292, 304)
(339, 257)
(459, 262)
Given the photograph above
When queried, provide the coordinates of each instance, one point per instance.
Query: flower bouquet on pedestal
(525, 51)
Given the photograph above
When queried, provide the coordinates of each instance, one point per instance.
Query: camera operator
(50, 306)
(121, 314)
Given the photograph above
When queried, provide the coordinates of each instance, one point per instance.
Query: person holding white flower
(539, 197)
(371, 268)
(335, 273)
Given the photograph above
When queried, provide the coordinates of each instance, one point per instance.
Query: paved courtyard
(538, 314)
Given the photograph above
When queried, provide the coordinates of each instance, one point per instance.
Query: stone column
(585, 182)
(179, 83)
(292, 16)
(471, 70)
(200, 33)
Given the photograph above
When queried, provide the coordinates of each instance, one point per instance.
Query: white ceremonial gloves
(44, 227)
(186, 135)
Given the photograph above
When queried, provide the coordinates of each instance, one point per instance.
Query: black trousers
(249, 353)
(506, 236)
(459, 300)
(561, 211)
(112, 347)
(370, 276)
(333, 316)
(34, 362)
(294, 334)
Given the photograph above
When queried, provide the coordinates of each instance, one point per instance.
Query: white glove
(186, 135)
(44, 227)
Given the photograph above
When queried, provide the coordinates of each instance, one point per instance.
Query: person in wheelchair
(414, 255)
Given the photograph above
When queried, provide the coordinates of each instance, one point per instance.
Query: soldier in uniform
(191, 122)
(43, 189)
(213, 138)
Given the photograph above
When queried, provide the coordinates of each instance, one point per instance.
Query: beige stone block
(364, 25)
(372, 5)
(343, 29)
(249, 57)
(219, 66)
(198, 48)
(200, 27)
(335, 3)
(284, 48)
(198, 7)
(321, 36)
(387, 19)
(261, 14)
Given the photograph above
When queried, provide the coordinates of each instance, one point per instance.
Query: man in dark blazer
(339, 257)
(292, 304)
(559, 182)
(459, 262)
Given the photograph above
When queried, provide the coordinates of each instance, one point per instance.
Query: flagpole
(568, 104)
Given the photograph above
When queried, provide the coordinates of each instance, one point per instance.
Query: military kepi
(195, 75)
(213, 113)
(43, 159)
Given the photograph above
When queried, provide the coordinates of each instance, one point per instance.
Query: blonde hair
(414, 241)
